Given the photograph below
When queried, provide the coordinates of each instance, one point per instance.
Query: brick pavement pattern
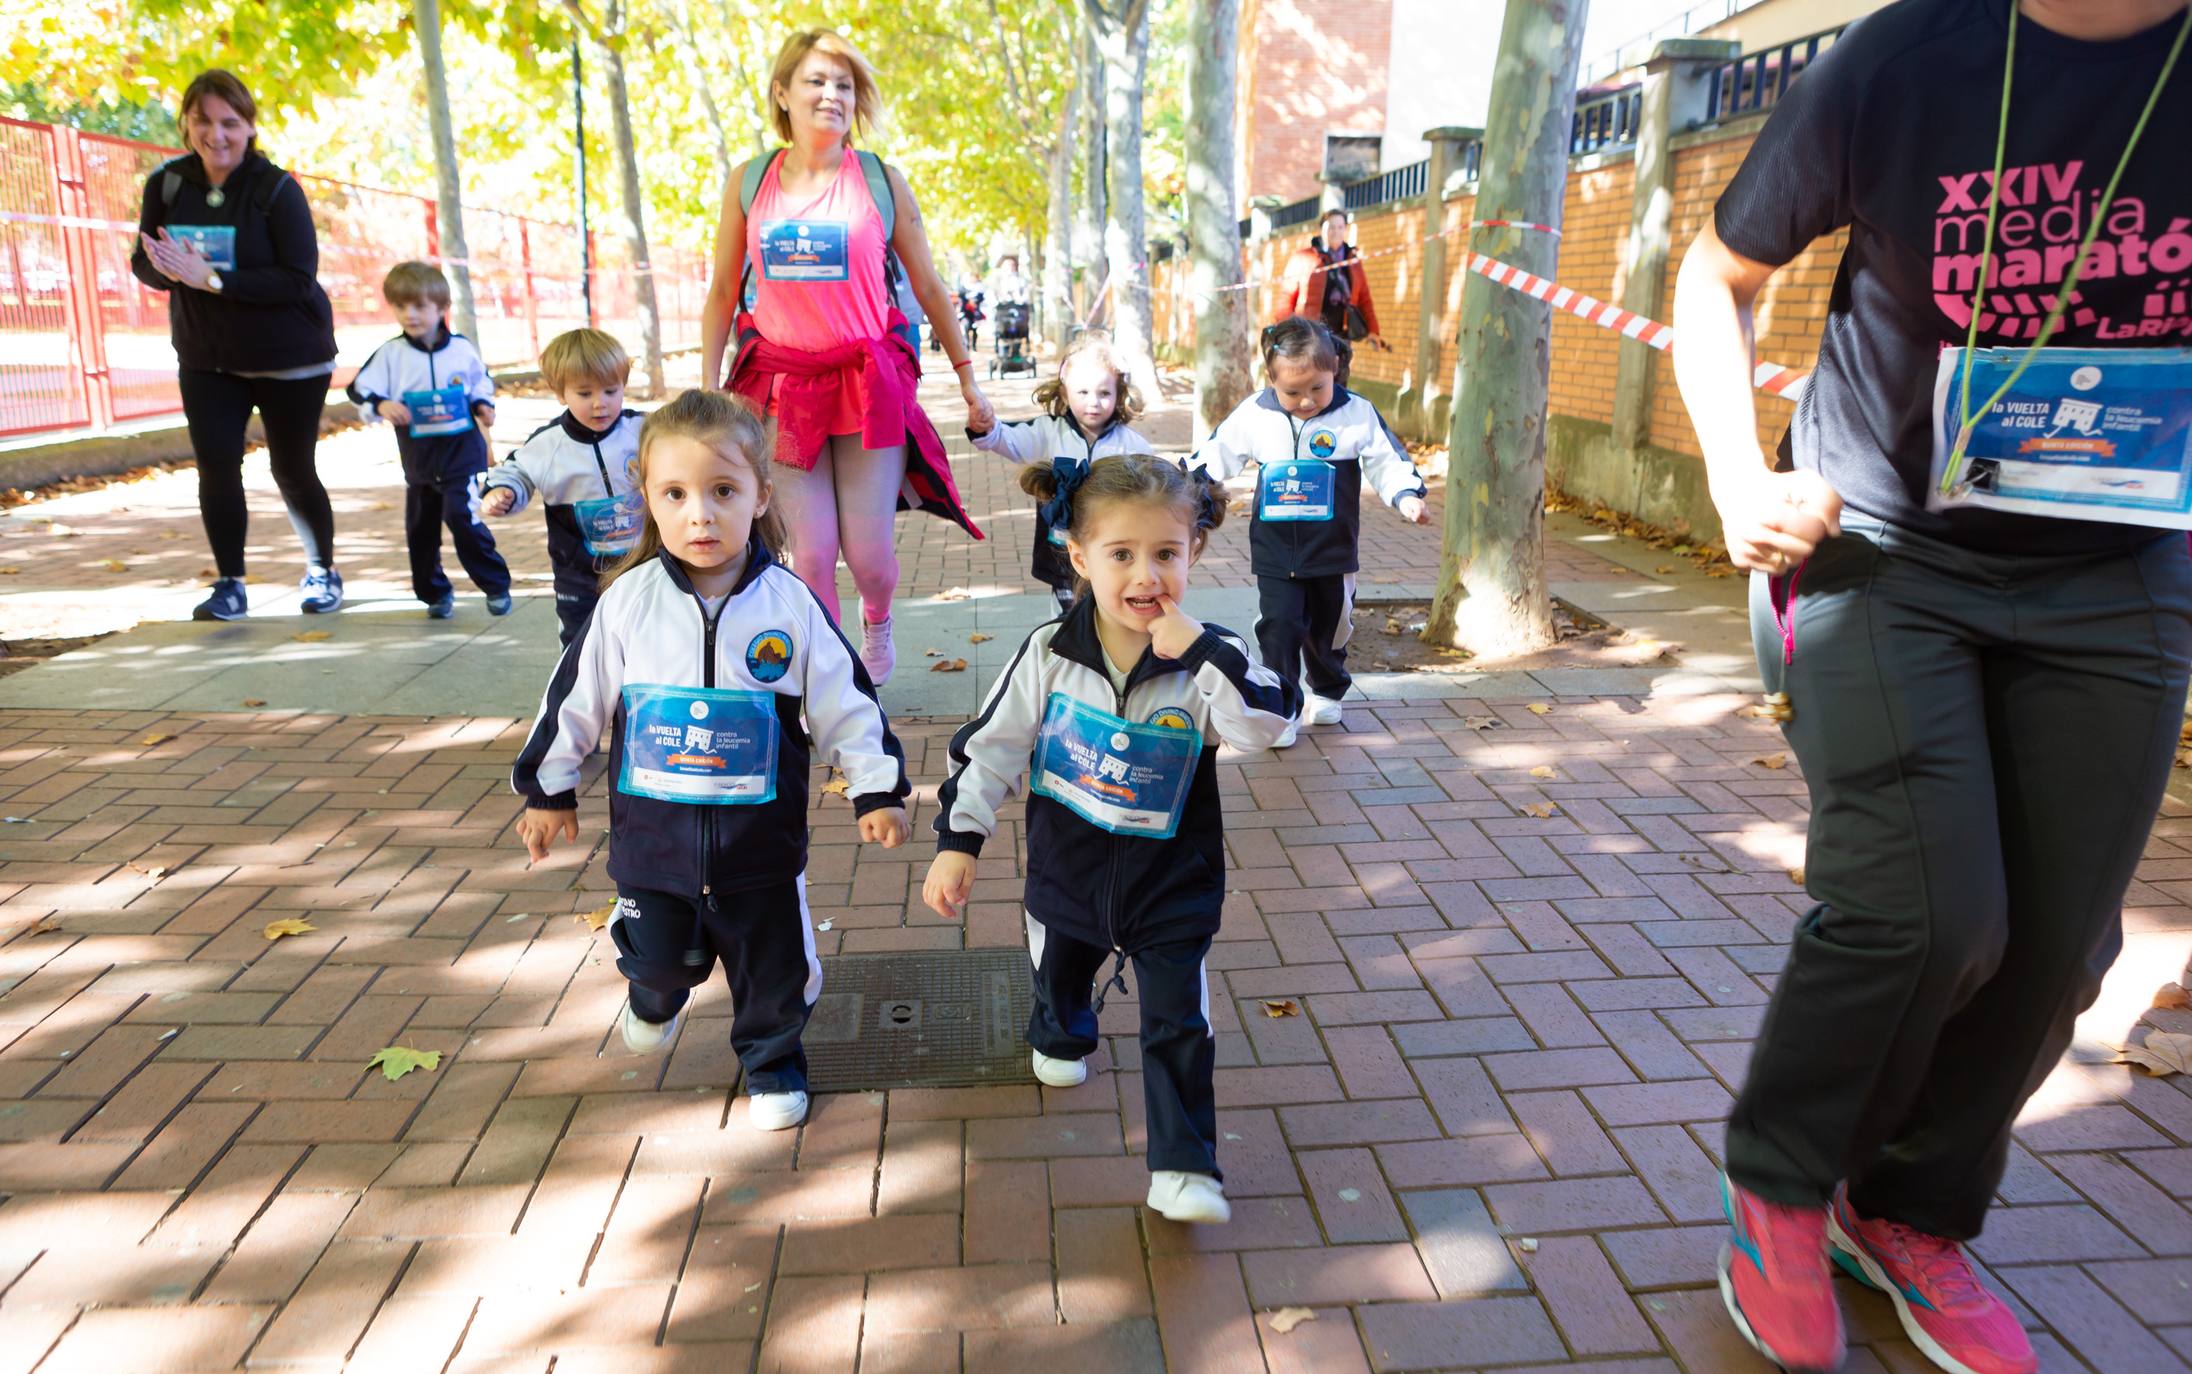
(1485, 1137)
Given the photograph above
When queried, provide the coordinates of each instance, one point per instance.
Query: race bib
(707, 745)
(446, 411)
(610, 524)
(2085, 434)
(1129, 779)
(216, 243)
(803, 249)
(1300, 489)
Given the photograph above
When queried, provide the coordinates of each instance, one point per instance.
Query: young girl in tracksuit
(1317, 443)
(699, 663)
(584, 465)
(1089, 410)
(1114, 713)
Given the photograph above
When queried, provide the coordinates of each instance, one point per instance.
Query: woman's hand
(1174, 632)
(541, 828)
(1774, 520)
(981, 415)
(950, 883)
(178, 262)
(886, 827)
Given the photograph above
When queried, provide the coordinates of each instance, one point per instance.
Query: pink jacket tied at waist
(809, 387)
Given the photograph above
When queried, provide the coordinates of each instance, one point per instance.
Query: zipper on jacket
(707, 679)
(1293, 527)
(1110, 893)
(608, 488)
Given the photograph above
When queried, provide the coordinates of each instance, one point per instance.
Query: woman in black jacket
(229, 236)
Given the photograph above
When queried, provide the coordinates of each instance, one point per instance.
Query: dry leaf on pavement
(155, 738)
(1542, 772)
(275, 930)
(1482, 722)
(254, 701)
(838, 785)
(933, 653)
(2170, 997)
(153, 871)
(2162, 1055)
(948, 665)
(1287, 1318)
(397, 1060)
(9, 572)
(1796, 876)
(1775, 761)
(312, 636)
(45, 925)
(953, 594)
(597, 918)
(979, 638)
(1274, 1007)
(1539, 708)
(1542, 810)
(113, 565)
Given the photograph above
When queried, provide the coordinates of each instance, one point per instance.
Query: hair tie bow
(1209, 504)
(1066, 474)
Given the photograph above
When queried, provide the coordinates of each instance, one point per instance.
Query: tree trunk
(632, 220)
(1491, 595)
(448, 182)
(1213, 220)
(681, 17)
(1088, 229)
(1058, 232)
(1122, 37)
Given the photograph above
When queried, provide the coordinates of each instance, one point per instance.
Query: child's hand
(484, 413)
(1413, 510)
(980, 413)
(394, 412)
(886, 827)
(950, 883)
(1174, 632)
(497, 501)
(540, 828)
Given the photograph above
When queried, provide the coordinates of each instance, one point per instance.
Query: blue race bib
(216, 243)
(610, 524)
(2085, 434)
(446, 411)
(1129, 779)
(804, 250)
(706, 745)
(1300, 489)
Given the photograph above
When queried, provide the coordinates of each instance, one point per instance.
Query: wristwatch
(213, 281)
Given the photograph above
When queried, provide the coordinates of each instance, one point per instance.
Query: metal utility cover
(920, 1020)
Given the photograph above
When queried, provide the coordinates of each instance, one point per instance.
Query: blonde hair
(1095, 344)
(726, 424)
(867, 112)
(415, 281)
(584, 355)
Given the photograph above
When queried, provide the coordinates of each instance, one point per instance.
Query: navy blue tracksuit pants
(1179, 1051)
(428, 506)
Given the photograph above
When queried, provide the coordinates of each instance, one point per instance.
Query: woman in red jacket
(1329, 284)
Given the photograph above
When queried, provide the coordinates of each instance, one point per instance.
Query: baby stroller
(1012, 341)
(970, 315)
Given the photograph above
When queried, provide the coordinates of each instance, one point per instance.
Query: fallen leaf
(1539, 708)
(1774, 707)
(826, 925)
(953, 594)
(312, 636)
(1482, 722)
(9, 572)
(152, 871)
(1542, 810)
(1773, 761)
(1275, 1008)
(1527, 1245)
(155, 738)
(1543, 772)
(2163, 1054)
(254, 701)
(382, 505)
(979, 638)
(1663, 569)
(948, 665)
(596, 919)
(1287, 1318)
(292, 925)
(2171, 997)
(397, 1060)
(1796, 876)
(933, 653)
(113, 565)
(45, 925)
(838, 785)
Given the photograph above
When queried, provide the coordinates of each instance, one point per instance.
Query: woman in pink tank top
(817, 342)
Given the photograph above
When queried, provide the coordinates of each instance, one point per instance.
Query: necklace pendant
(216, 198)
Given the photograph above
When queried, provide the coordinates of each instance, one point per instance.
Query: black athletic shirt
(1892, 132)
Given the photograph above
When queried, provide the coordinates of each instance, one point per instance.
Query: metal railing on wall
(1607, 121)
(1757, 80)
(84, 344)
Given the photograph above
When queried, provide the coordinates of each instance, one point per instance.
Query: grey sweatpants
(1986, 739)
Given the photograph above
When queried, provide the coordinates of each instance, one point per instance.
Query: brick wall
(1595, 221)
(1309, 68)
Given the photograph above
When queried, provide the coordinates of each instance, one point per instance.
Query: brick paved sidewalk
(1487, 1139)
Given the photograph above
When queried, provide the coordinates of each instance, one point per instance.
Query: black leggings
(218, 406)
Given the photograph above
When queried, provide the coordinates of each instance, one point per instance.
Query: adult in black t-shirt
(1985, 704)
(229, 237)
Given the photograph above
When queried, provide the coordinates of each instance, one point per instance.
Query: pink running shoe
(1948, 1314)
(1774, 1278)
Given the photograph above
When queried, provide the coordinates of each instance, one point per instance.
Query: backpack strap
(262, 195)
(879, 190)
(749, 185)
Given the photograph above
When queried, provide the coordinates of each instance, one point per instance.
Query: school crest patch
(1171, 718)
(1323, 442)
(769, 656)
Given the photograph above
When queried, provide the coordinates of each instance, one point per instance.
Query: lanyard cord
(2077, 264)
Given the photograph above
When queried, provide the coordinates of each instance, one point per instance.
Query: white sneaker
(1060, 1073)
(876, 649)
(775, 1111)
(1188, 1197)
(1321, 711)
(644, 1037)
(1293, 732)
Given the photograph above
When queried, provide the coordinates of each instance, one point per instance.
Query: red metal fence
(83, 343)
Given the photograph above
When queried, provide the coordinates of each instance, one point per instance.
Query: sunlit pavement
(1473, 1061)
